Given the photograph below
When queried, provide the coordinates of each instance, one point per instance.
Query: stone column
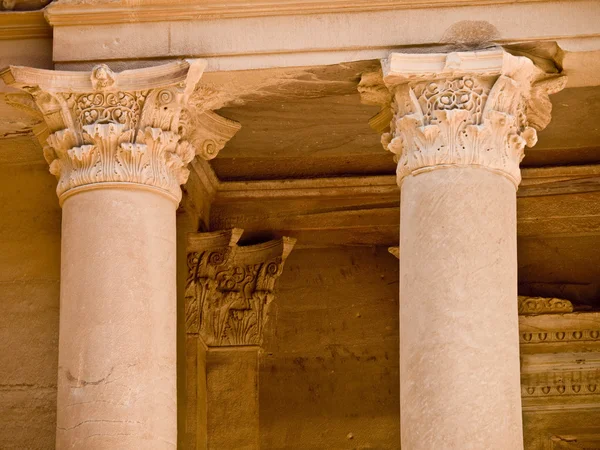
(119, 145)
(229, 293)
(459, 124)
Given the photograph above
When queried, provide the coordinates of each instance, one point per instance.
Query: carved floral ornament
(460, 109)
(136, 126)
(229, 288)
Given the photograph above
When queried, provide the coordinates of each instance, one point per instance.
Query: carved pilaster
(230, 288)
(460, 109)
(136, 126)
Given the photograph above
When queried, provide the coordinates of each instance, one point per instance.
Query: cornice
(24, 25)
(65, 14)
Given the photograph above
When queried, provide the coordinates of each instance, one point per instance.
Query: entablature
(323, 32)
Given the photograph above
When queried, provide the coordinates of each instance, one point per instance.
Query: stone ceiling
(308, 123)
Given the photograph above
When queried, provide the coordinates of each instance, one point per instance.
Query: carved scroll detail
(230, 288)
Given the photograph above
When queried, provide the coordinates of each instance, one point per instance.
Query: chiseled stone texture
(329, 365)
(459, 371)
(29, 298)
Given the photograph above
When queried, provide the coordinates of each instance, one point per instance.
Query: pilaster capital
(139, 126)
(477, 108)
(229, 289)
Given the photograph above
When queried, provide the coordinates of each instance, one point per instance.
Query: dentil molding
(229, 288)
(476, 108)
(139, 126)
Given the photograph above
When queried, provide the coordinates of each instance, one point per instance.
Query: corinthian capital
(137, 126)
(460, 109)
(230, 288)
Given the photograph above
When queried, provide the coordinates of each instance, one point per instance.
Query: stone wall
(329, 366)
(29, 303)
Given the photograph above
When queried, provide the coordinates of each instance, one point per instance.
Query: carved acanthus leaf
(230, 288)
(461, 109)
(134, 126)
(539, 106)
(543, 305)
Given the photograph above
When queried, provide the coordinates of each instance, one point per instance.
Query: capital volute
(137, 126)
(478, 108)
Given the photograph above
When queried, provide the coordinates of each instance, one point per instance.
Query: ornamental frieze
(230, 288)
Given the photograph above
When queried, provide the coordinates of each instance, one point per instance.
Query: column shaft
(459, 124)
(117, 372)
(459, 350)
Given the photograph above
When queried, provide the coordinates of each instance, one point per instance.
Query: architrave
(362, 211)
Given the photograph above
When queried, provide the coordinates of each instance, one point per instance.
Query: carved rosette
(230, 288)
(462, 109)
(132, 127)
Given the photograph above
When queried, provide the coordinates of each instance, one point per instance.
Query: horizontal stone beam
(556, 201)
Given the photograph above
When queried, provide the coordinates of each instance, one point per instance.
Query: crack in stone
(97, 421)
(81, 382)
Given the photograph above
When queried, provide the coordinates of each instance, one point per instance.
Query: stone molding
(24, 25)
(560, 336)
(460, 109)
(229, 289)
(67, 13)
(561, 383)
(140, 127)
